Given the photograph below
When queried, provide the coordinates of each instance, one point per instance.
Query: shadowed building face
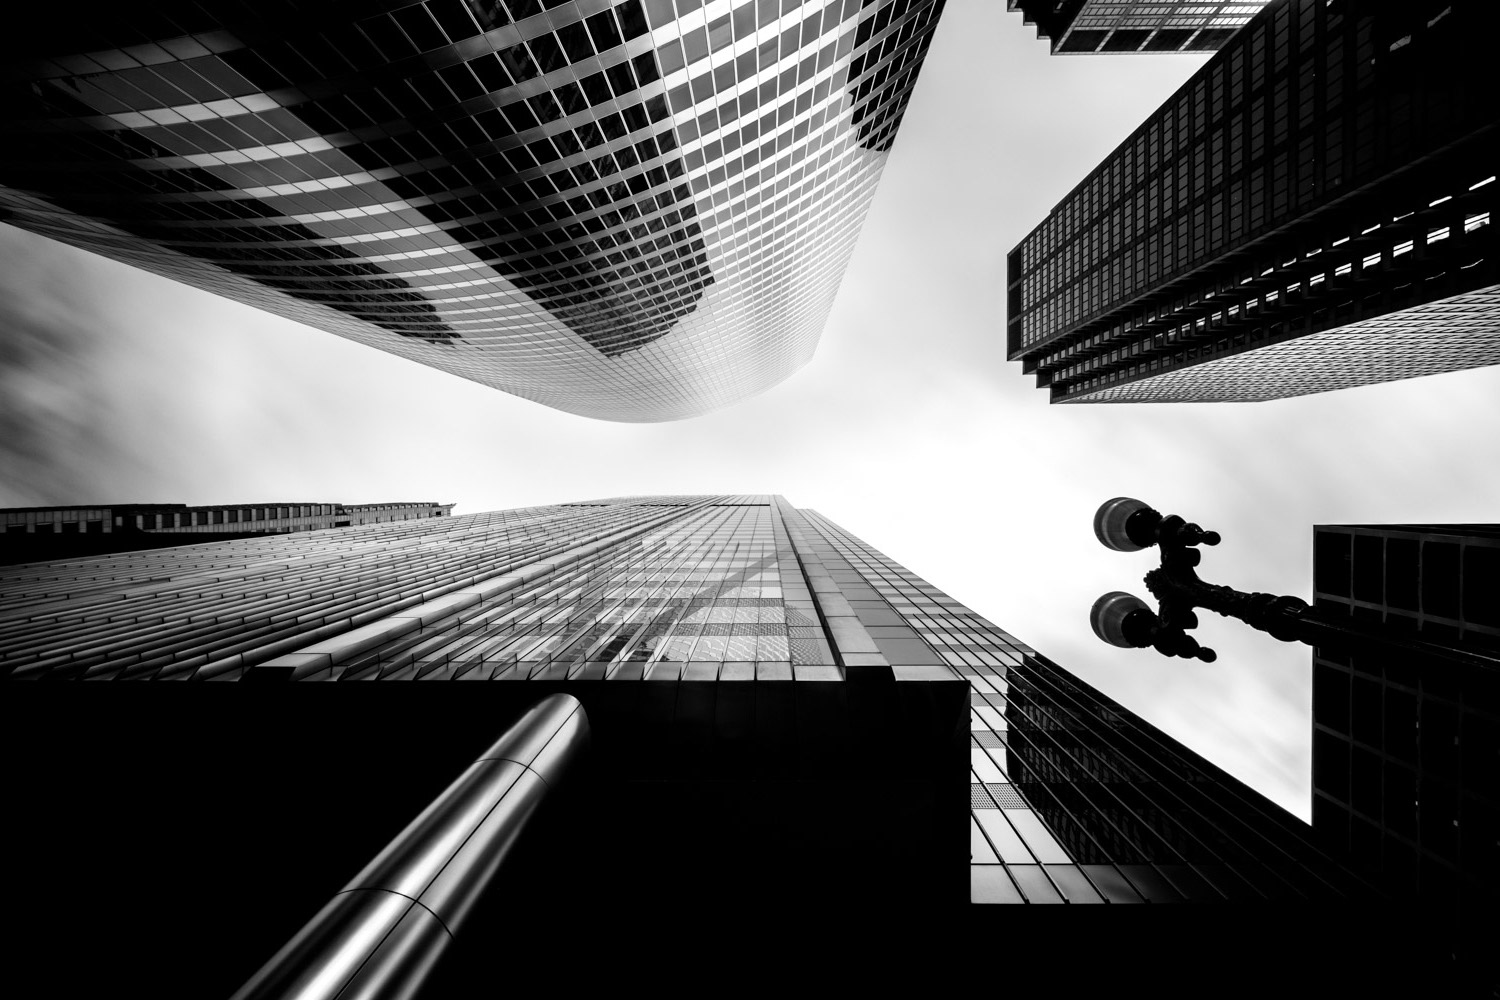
(1406, 750)
(1112, 26)
(634, 212)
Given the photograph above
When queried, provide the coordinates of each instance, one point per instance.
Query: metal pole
(1292, 619)
(382, 934)
(1354, 636)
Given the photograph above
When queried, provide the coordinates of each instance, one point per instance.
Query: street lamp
(1120, 619)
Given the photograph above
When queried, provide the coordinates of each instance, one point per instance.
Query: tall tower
(1311, 211)
(629, 211)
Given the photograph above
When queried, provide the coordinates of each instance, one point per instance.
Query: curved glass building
(631, 211)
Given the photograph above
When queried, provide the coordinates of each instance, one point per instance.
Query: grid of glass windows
(1297, 184)
(633, 211)
(1404, 775)
(688, 587)
(1444, 336)
(1137, 25)
(214, 610)
(1406, 753)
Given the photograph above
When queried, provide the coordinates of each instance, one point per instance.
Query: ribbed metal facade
(1072, 797)
(1311, 211)
(628, 211)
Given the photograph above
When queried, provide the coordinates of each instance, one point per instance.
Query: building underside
(608, 209)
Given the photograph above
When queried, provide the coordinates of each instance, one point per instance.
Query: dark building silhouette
(1122, 796)
(30, 534)
(1311, 211)
(630, 210)
(1406, 752)
(1085, 26)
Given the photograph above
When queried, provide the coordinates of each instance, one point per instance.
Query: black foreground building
(1311, 211)
(789, 730)
(1406, 752)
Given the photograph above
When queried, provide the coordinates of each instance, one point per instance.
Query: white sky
(909, 428)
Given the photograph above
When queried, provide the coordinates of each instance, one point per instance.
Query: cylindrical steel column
(382, 934)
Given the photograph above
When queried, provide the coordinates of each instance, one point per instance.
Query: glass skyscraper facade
(708, 607)
(1311, 211)
(1406, 752)
(1081, 26)
(633, 211)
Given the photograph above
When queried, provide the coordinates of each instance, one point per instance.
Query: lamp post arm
(1357, 636)
(1178, 587)
(1291, 619)
(1129, 525)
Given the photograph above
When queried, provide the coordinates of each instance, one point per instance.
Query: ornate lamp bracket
(1128, 525)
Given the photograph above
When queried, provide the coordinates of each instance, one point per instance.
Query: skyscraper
(1311, 211)
(1406, 752)
(629, 211)
(1078, 26)
(787, 725)
(677, 590)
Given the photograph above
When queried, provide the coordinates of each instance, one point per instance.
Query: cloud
(55, 415)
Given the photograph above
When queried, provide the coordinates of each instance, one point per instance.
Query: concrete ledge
(341, 647)
(850, 636)
(300, 664)
(924, 672)
(436, 610)
(499, 586)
